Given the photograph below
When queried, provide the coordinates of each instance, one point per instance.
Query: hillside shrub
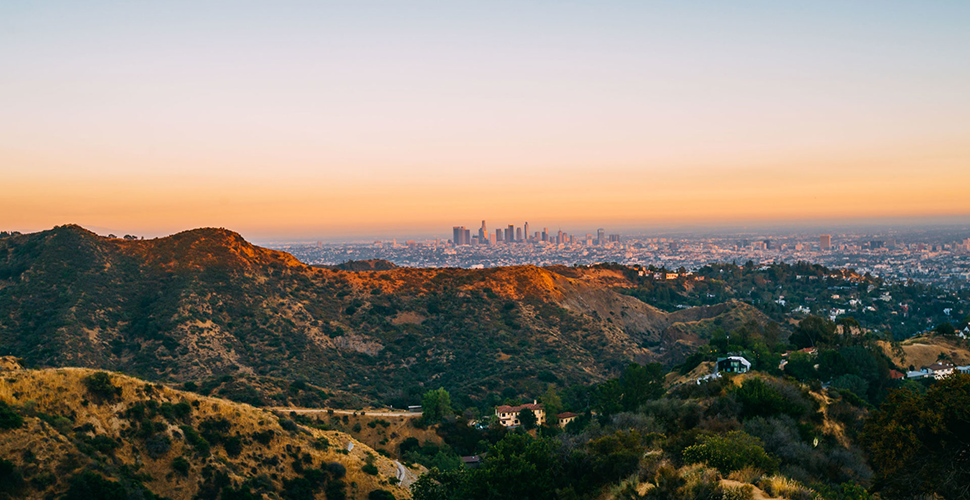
(181, 465)
(381, 495)
(91, 486)
(336, 490)
(729, 452)
(99, 384)
(157, 445)
(233, 445)
(264, 437)
(370, 469)
(9, 419)
(337, 470)
(763, 399)
(780, 486)
(11, 479)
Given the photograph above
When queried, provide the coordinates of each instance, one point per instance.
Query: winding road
(385, 413)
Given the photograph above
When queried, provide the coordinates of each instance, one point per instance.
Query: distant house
(963, 369)
(896, 375)
(917, 374)
(733, 364)
(565, 418)
(472, 462)
(508, 416)
(940, 371)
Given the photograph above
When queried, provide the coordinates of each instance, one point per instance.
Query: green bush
(91, 486)
(181, 465)
(99, 384)
(11, 479)
(9, 419)
(763, 399)
(729, 452)
(380, 495)
(370, 469)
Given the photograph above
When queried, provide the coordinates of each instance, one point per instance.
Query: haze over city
(308, 120)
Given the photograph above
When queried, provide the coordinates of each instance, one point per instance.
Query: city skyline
(305, 119)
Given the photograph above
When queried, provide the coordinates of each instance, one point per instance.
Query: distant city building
(614, 238)
(483, 234)
(525, 231)
(518, 235)
(458, 235)
(600, 236)
(825, 242)
(510, 234)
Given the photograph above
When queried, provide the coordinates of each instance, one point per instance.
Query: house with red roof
(508, 416)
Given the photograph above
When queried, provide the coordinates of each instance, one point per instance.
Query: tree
(641, 384)
(918, 444)
(945, 329)
(813, 331)
(528, 419)
(438, 485)
(518, 466)
(551, 404)
(801, 366)
(435, 405)
(607, 397)
(100, 384)
(730, 452)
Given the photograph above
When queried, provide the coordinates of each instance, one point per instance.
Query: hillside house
(508, 416)
(940, 371)
(565, 418)
(733, 364)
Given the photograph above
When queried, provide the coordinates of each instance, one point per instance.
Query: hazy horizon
(882, 226)
(299, 120)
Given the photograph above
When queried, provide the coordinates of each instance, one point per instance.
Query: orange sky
(307, 121)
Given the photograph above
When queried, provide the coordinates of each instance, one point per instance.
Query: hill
(204, 305)
(364, 265)
(81, 432)
(926, 350)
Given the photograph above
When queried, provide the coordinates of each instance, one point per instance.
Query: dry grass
(62, 392)
(786, 488)
(924, 351)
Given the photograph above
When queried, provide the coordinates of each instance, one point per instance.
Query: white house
(940, 371)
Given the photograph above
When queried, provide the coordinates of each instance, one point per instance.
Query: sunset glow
(357, 119)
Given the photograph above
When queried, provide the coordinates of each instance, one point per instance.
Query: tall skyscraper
(483, 234)
(510, 234)
(545, 234)
(525, 232)
(825, 241)
(466, 236)
(457, 235)
(600, 236)
(518, 235)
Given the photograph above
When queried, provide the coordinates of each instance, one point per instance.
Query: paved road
(405, 414)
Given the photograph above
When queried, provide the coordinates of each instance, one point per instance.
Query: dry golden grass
(62, 392)
(780, 486)
(925, 350)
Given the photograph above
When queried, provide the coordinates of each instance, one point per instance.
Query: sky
(331, 120)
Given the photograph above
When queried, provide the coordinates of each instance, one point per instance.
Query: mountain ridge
(206, 303)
